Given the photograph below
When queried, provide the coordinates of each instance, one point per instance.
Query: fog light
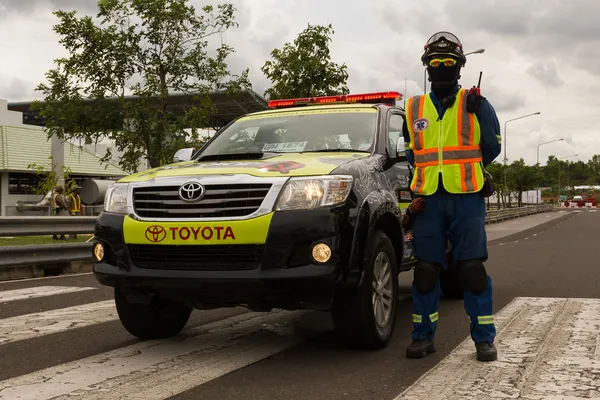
(98, 252)
(321, 252)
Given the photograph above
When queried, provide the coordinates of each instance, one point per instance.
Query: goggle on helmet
(443, 44)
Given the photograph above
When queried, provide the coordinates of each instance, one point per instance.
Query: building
(23, 145)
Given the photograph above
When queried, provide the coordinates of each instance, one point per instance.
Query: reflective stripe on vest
(76, 207)
(449, 146)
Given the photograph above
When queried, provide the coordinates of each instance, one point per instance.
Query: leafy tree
(497, 171)
(47, 179)
(146, 48)
(304, 68)
(523, 178)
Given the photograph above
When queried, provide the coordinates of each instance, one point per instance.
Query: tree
(523, 178)
(497, 171)
(304, 68)
(47, 179)
(146, 48)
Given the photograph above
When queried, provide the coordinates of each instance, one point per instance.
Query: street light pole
(538, 161)
(506, 159)
(572, 155)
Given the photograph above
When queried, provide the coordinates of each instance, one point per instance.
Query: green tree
(304, 68)
(47, 179)
(148, 49)
(522, 178)
(497, 171)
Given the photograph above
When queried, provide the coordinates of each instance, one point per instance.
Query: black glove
(488, 185)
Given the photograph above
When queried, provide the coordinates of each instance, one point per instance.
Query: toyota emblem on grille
(191, 192)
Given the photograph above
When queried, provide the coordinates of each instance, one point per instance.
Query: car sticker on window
(291, 147)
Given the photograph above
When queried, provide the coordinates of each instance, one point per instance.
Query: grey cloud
(501, 100)
(16, 89)
(546, 73)
(10, 8)
(564, 29)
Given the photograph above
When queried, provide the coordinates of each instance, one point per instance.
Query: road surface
(60, 337)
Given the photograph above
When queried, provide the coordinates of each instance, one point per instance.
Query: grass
(24, 240)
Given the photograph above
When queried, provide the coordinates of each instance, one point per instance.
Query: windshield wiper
(335, 151)
(257, 155)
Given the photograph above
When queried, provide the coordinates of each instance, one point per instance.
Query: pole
(537, 163)
(505, 143)
(505, 167)
(559, 181)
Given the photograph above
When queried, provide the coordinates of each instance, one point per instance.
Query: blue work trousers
(460, 219)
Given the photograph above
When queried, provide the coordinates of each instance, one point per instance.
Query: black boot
(420, 348)
(486, 351)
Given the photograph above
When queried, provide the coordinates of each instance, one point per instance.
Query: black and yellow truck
(296, 207)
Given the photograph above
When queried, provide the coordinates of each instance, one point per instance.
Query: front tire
(157, 320)
(365, 317)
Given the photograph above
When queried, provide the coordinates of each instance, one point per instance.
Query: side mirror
(183, 155)
(400, 151)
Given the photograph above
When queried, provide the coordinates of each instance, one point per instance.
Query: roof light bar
(366, 98)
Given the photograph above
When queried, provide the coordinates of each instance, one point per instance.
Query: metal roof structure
(23, 145)
(228, 107)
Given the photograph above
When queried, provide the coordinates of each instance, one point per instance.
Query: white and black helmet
(443, 44)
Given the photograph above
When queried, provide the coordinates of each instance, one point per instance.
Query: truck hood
(286, 164)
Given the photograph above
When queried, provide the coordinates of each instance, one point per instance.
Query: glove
(474, 99)
(417, 206)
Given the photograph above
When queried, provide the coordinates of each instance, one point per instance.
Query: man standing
(59, 207)
(450, 135)
(74, 202)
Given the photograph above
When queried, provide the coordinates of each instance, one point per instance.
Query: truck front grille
(228, 200)
(197, 257)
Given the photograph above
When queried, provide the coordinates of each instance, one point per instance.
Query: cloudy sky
(539, 55)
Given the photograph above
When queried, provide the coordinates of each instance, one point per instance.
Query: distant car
(297, 207)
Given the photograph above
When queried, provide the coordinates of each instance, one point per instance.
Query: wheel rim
(382, 290)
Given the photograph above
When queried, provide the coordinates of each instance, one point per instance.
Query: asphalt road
(60, 337)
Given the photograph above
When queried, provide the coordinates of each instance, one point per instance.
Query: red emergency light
(367, 98)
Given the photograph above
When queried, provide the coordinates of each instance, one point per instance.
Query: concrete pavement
(60, 337)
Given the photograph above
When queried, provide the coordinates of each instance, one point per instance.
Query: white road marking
(47, 278)
(33, 325)
(39, 291)
(547, 350)
(592, 210)
(159, 369)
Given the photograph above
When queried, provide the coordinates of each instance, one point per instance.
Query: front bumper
(280, 273)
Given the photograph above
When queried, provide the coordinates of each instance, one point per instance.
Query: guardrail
(47, 254)
(517, 212)
(37, 226)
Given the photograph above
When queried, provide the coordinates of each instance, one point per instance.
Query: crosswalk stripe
(39, 291)
(28, 326)
(547, 349)
(161, 368)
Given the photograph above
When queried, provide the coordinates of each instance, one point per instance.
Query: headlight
(315, 191)
(115, 200)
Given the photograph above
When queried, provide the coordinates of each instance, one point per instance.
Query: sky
(540, 56)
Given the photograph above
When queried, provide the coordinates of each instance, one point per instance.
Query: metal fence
(40, 254)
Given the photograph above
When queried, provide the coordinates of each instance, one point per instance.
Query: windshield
(340, 129)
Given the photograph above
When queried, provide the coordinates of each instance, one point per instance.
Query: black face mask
(443, 77)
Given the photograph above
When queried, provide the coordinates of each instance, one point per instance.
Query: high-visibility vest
(76, 206)
(449, 146)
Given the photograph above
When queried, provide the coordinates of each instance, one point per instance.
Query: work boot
(486, 351)
(420, 348)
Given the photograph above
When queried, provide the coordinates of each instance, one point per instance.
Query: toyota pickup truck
(295, 207)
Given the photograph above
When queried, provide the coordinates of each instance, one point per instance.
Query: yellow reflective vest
(449, 146)
(76, 203)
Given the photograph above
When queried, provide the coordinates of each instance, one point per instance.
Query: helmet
(444, 44)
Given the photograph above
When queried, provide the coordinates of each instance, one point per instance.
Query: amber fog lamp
(98, 252)
(321, 252)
